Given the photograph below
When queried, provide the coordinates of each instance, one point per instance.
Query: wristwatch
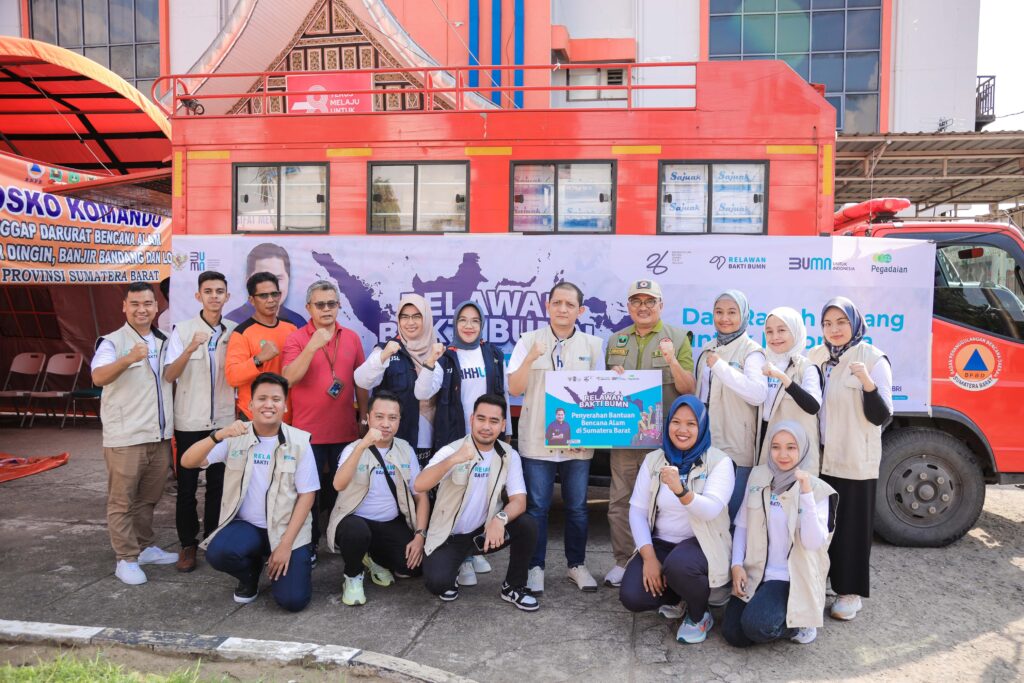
(422, 532)
(503, 516)
(213, 436)
(684, 491)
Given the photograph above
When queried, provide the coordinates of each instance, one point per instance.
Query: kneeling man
(468, 517)
(270, 482)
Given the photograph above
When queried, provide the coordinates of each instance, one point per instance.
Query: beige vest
(281, 495)
(136, 408)
(624, 350)
(785, 407)
(808, 569)
(400, 455)
(203, 399)
(853, 446)
(713, 536)
(452, 494)
(578, 353)
(734, 423)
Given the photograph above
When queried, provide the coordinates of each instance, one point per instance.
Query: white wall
(934, 65)
(194, 25)
(595, 18)
(10, 18)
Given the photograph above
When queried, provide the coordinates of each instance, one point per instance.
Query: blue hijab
(856, 326)
(676, 457)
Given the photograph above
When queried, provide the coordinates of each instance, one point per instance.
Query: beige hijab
(419, 346)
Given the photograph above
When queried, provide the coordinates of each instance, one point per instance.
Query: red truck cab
(931, 487)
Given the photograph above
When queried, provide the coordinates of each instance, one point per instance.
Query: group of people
(762, 491)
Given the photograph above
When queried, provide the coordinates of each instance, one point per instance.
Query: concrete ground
(954, 613)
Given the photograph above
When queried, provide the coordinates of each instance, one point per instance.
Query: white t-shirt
(175, 347)
(107, 354)
(379, 505)
(254, 504)
(812, 529)
(474, 512)
(672, 518)
(474, 384)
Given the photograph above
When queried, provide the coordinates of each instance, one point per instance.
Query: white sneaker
(480, 564)
(535, 580)
(846, 607)
(154, 555)
(467, 575)
(805, 635)
(581, 576)
(613, 579)
(130, 573)
(673, 611)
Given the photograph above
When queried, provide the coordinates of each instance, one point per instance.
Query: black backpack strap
(387, 477)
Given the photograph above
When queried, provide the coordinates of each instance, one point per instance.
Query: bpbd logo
(810, 263)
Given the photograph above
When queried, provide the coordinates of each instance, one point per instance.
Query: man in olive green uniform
(647, 344)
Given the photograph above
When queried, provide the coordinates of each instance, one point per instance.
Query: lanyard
(334, 356)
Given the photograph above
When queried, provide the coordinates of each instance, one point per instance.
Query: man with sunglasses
(319, 359)
(255, 345)
(645, 345)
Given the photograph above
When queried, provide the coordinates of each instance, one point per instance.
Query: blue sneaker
(693, 633)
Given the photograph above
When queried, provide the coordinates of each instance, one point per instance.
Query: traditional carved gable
(331, 39)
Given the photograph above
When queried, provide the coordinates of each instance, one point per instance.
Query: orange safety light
(869, 211)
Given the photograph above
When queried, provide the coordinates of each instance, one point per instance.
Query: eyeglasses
(325, 305)
(415, 317)
(468, 321)
(649, 304)
(267, 296)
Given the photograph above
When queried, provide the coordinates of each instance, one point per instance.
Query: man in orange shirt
(255, 345)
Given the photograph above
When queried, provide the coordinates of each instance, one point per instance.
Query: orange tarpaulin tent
(13, 467)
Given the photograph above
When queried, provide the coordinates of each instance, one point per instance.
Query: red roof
(62, 109)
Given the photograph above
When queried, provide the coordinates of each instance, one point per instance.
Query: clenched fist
(236, 428)
(390, 349)
(198, 339)
(319, 339)
(139, 352)
(267, 351)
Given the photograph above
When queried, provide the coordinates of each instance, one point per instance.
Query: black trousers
(685, 568)
(441, 567)
(326, 456)
(186, 519)
(850, 550)
(384, 541)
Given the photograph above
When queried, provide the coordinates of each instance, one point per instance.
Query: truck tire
(930, 488)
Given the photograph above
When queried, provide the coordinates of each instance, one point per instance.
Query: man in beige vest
(645, 345)
(378, 521)
(136, 411)
(473, 474)
(203, 401)
(270, 482)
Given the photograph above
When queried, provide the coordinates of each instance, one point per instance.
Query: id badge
(335, 389)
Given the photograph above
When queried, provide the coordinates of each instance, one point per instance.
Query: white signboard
(509, 277)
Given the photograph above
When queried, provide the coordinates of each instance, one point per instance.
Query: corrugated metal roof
(931, 168)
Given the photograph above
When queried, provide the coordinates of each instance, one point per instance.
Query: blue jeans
(241, 548)
(761, 620)
(540, 484)
(738, 489)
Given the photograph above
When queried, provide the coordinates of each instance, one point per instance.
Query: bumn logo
(809, 263)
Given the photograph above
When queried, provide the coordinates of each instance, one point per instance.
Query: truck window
(563, 197)
(281, 198)
(980, 285)
(722, 198)
(421, 197)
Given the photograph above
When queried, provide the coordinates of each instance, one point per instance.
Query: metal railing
(443, 89)
(985, 101)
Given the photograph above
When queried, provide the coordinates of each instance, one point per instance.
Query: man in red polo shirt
(319, 360)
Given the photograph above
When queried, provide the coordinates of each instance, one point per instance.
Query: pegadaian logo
(882, 264)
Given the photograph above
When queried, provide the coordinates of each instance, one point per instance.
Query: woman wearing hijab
(780, 546)
(794, 383)
(469, 368)
(733, 387)
(680, 523)
(396, 365)
(857, 402)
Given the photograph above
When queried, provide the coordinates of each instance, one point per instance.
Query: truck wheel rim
(922, 491)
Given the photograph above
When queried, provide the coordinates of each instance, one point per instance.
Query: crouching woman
(780, 546)
(679, 517)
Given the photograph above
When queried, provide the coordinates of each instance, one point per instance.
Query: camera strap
(387, 477)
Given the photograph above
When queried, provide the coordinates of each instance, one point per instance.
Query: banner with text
(50, 239)
(603, 409)
(509, 276)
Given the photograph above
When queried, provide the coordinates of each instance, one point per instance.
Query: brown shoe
(186, 559)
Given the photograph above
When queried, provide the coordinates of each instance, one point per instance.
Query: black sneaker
(450, 594)
(522, 598)
(246, 591)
